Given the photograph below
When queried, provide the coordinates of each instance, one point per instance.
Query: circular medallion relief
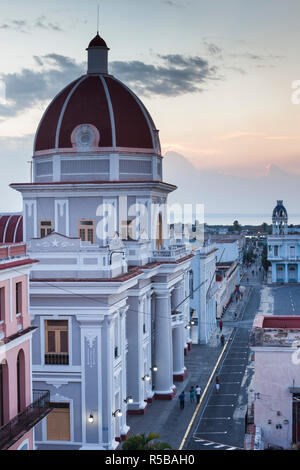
(85, 136)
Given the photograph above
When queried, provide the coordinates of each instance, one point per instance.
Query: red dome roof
(103, 102)
(97, 42)
(11, 228)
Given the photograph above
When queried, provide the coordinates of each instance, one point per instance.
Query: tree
(143, 442)
(236, 226)
(264, 227)
(264, 258)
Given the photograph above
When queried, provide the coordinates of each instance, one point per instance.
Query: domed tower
(96, 151)
(96, 129)
(280, 219)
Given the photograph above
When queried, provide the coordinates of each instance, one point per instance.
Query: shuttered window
(46, 227)
(2, 303)
(86, 230)
(19, 297)
(56, 342)
(58, 422)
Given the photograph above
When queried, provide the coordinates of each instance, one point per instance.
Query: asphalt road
(286, 299)
(220, 424)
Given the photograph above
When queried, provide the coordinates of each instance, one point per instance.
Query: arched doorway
(159, 232)
(21, 383)
(292, 273)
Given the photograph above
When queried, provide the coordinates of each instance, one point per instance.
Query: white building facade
(275, 343)
(283, 248)
(203, 293)
(110, 294)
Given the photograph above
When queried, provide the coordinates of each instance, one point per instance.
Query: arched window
(21, 382)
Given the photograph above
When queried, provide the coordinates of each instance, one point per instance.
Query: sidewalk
(164, 417)
(235, 309)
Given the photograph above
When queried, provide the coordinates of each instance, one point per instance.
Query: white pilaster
(178, 350)
(285, 273)
(163, 344)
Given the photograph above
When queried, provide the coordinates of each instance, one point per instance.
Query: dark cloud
(174, 76)
(177, 75)
(30, 87)
(43, 23)
(177, 3)
(258, 58)
(213, 49)
(24, 26)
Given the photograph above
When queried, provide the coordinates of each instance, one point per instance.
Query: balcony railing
(11, 432)
(57, 359)
(170, 254)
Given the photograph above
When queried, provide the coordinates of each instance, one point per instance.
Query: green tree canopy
(143, 442)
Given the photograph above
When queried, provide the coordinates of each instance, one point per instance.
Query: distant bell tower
(280, 219)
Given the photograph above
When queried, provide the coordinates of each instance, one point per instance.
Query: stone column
(107, 384)
(91, 392)
(285, 273)
(135, 361)
(186, 309)
(123, 426)
(179, 333)
(274, 272)
(164, 388)
(179, 371)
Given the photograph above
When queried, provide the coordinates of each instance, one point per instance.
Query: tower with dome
(283, 248)
(109, 295)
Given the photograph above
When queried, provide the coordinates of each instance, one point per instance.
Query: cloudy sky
(216, 76)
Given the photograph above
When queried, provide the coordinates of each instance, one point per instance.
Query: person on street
(217, 384)
(192, 394)
(222, 340)
(198, 393)
(220, 325)
(181, 400)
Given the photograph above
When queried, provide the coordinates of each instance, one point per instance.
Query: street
(221, 422)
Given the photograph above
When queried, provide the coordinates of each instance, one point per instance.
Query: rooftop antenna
(98, 14)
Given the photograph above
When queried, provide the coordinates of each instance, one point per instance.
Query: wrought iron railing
(57, 359)
(12, 431)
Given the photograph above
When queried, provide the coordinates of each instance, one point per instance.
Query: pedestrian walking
(198, 393)
(192, 394)
(222, 340)
(220, 325)
(181, 400)
(217, 384)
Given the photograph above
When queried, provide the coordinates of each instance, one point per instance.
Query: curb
(204, 394)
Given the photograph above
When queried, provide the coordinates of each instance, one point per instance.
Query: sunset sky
(215, 75)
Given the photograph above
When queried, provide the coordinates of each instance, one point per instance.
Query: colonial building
(109, 295)
(20, 409)
(203, 293)
(283, 248)
(227, 278)
(275, 341)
